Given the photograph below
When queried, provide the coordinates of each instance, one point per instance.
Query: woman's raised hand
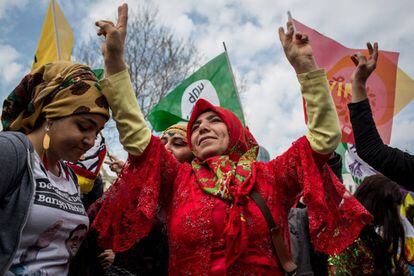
(297, 49)
(114, 43)
(365, 66)
(115, 164)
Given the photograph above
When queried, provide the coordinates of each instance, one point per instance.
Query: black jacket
(391, 162)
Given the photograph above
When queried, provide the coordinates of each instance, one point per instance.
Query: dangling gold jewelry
(46, 139)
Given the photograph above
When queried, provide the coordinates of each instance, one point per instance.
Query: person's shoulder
(15, 137)
(13, 159)
(12, 141)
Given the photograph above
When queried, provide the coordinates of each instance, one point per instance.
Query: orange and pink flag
(381, 86)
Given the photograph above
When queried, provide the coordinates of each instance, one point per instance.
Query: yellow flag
(56, 39)
(408, 228)
(404, 92)
(408, 201)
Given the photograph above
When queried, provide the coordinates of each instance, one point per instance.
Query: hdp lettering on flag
(381, 86)
(213, 82)
(56, 40)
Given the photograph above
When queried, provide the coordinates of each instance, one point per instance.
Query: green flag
(213, 82)
(353, 164)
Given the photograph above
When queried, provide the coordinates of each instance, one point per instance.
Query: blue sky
(272, 101)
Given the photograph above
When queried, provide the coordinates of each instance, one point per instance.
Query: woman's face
(72, 136)
(209, 135)
(175, 143)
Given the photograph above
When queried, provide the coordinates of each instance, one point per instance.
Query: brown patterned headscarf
(52, 91)
(180, 129)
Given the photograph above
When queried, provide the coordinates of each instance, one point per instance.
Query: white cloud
(272, 102)
(183, 26)
(402, 135)
(403, 129)
(13, 70)
(93, 11)
(273, 107)
(6, 6)
(10, 67)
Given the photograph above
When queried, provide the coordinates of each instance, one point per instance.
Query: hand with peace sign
(364, 68)
(114, 43)
(297, 49)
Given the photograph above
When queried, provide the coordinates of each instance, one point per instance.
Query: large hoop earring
(46, 139)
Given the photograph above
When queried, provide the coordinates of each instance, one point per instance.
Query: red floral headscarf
(230, 177)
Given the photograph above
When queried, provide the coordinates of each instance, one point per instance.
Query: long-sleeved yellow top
(323, 134)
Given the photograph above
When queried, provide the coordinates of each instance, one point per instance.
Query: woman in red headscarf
(214, 227)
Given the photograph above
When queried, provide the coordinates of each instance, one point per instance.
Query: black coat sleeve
(391, 162)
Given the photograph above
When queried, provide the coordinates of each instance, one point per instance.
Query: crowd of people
(195, 201)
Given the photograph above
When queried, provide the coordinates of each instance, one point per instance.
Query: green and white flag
(213, 82)
(353, 164)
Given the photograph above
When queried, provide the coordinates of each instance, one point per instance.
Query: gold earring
(46, 139)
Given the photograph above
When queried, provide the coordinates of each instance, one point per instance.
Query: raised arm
(393, 163)
(324, 132)
(335, 217)
(117, 88)
(127, 210)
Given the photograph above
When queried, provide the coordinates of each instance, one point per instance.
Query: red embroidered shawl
(155, 179)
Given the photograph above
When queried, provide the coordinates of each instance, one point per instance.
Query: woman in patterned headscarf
(150, 255)
(214, 226)
(52, 116)
(174, 139)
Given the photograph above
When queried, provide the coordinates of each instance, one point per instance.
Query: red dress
(208, 235)
(190, 210)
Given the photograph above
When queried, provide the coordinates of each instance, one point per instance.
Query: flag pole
(224, 46)
(234, 80)
(55, 29)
